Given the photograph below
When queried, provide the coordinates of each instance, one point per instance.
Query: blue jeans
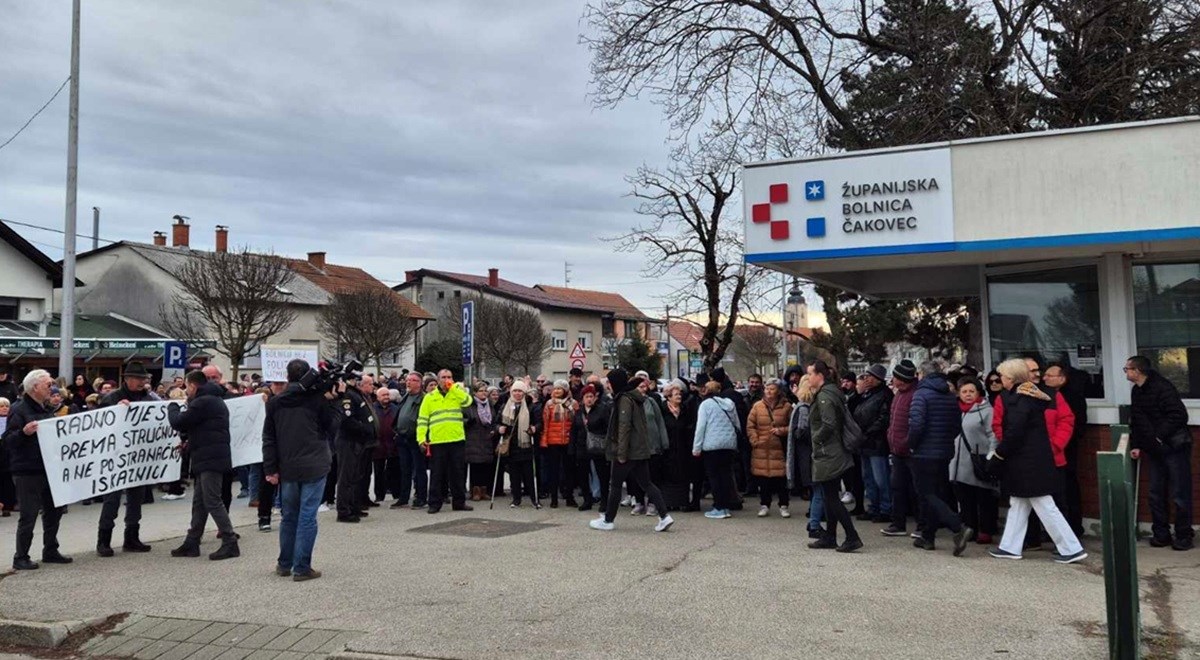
(254, 472)
(298, 531)
(415, 473)
(816, 509)
(878, 484)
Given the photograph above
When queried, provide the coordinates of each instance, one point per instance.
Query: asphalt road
(738, 587)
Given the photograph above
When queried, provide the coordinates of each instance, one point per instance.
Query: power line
(46, 105)
(52, 229)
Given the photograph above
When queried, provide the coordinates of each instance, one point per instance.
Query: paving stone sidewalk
(161, 638)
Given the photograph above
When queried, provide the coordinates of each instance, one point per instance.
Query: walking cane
(536, 499)
(495, 482)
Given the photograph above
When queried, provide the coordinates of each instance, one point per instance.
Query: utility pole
(566, 273)
(66, 346)
(783, 350)
(95, 227)
(670, 374)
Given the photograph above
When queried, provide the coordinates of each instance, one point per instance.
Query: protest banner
(95, 452)
(99, 451)
(275, 359)
(246, 417)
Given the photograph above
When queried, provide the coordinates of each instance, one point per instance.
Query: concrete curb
(42, 634)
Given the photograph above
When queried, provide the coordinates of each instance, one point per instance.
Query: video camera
(326, 375)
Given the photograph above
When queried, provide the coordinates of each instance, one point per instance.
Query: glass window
(585, 340)
(1054, 314)
(631, 329)
(607, 328)
(1166, 311)
(9, 309)
(558, 340)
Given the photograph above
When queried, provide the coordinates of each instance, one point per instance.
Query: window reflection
(1166, 308)
(1054, 314)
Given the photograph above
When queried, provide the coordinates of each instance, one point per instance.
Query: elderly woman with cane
(518, 437)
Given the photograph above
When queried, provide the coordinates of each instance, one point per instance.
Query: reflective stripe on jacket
(441, 416)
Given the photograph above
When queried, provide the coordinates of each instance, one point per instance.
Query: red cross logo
(761, 213)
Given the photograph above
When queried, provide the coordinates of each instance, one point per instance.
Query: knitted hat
(905, 371)
(878, 371)
(518, 386)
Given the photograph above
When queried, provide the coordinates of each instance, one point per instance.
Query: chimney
(222, 238)
(179, 232)
(317, 259)
(410, 276)
(160, 238)
(494, 277)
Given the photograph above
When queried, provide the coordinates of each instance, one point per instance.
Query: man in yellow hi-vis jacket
(442, 437)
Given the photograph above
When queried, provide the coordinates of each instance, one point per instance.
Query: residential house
(755, 348)
(30, 330)
(621, 321)
(137, 280)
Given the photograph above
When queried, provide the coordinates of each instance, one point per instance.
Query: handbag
(979, 464)
(595, 443)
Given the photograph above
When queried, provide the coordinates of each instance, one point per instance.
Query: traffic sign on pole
(577, 364)
(175, 355)
(578, 353)
(468, 332)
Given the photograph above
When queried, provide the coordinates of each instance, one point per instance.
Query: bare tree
(760, 347)
(693, 230)
(240, 298)
(507, 334)
(369, 322)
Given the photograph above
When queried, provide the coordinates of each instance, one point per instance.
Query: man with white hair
(29, 473)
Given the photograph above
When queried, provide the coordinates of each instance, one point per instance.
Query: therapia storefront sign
(849, 206)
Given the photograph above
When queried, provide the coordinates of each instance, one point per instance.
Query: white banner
(246, 417)
(92, 453)
(275, 360)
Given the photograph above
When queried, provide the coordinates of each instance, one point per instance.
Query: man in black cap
(575, 379)
(904, 381)
(132, 390)
(873, 415)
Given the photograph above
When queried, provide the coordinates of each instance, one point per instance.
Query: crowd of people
(942, 448)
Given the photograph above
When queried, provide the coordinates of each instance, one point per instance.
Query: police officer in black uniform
(133, 389)
(355, 433)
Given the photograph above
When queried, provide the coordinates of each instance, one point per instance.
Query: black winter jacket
(24, 452)
(1157, 413)
(595, 421)
(206, 424)
(873, 411)
(934, 419)
(294, 435)
(358, 420)
(1027, 469)
(481, 438)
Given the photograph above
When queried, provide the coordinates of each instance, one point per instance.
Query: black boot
(104, 543)
(188, 549)
(132, 542)
(571, 502)
(53, 556)
(228, 550)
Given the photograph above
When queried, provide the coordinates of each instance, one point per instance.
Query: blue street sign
(175, 355)
(468, 332)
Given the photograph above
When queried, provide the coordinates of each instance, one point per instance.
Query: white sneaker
(602, 525)
(651, 510)
(627, 500)
(664, 524)
(784, 513)
(637, 510)
(847, 498)
(171, 496)
(764, 511)
(323, 508)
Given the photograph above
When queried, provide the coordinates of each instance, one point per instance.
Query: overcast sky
(454, 135)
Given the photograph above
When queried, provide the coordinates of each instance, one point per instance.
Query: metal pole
(66, 350)
(95, 227)
(670, 374)
(783, 351)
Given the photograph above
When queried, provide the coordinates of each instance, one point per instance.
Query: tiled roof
(334, 279)
(613, 303)
(687, 333)
(311, 286)
(512, 290)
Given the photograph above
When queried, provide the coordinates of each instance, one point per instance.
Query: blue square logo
(815, 227)
(814, 191)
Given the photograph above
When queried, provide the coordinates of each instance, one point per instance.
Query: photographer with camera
(356, 433)
(296, 458)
